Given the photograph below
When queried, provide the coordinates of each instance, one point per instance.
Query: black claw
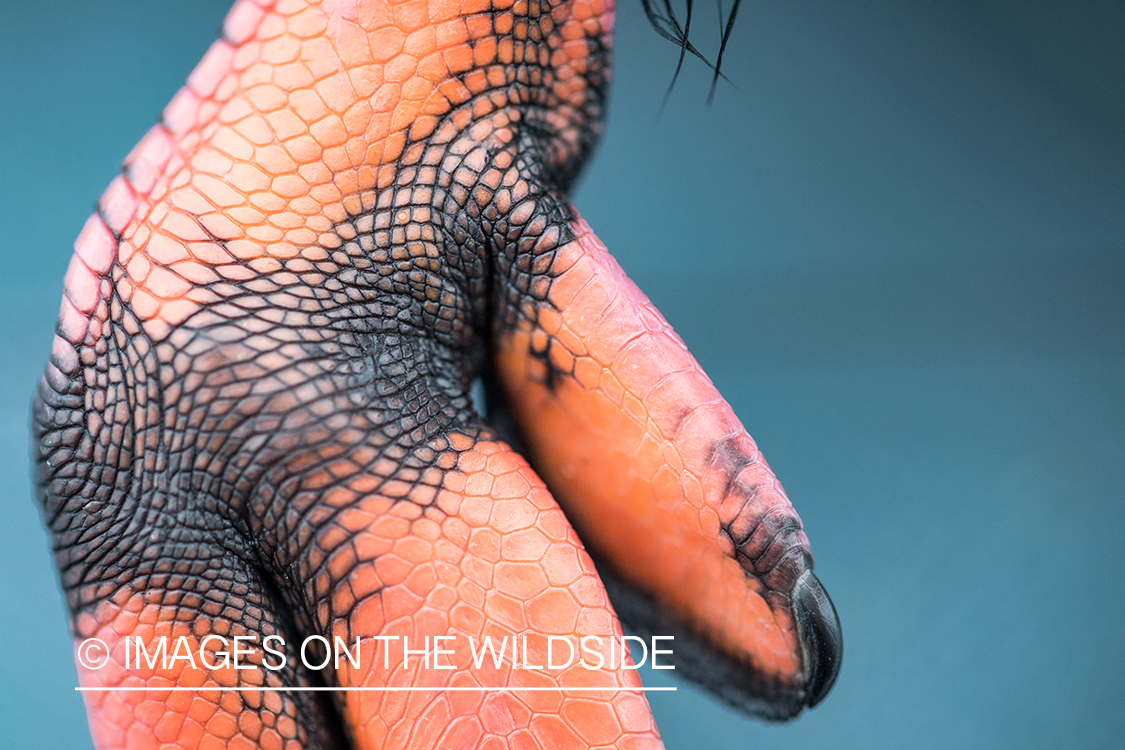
(822, 642)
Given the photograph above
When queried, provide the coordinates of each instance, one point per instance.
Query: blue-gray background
(896, 246)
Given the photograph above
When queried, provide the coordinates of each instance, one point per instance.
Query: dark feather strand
(683, 52)
(667, 25)
(722, 49)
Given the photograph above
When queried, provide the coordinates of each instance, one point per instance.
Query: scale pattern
(256, 416)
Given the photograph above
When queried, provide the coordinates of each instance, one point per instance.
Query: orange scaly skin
(647, 484)
(256, 417)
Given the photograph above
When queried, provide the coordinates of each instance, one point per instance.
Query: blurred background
(896, 243)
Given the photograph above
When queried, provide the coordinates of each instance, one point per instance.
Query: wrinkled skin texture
(256, 419)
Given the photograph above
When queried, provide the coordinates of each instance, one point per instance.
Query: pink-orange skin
(207, 718)
(290, 122)
(497, 559)
(626, 444)
(494, 557)
(293, 121)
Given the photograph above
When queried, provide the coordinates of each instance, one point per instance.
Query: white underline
(179, 688)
